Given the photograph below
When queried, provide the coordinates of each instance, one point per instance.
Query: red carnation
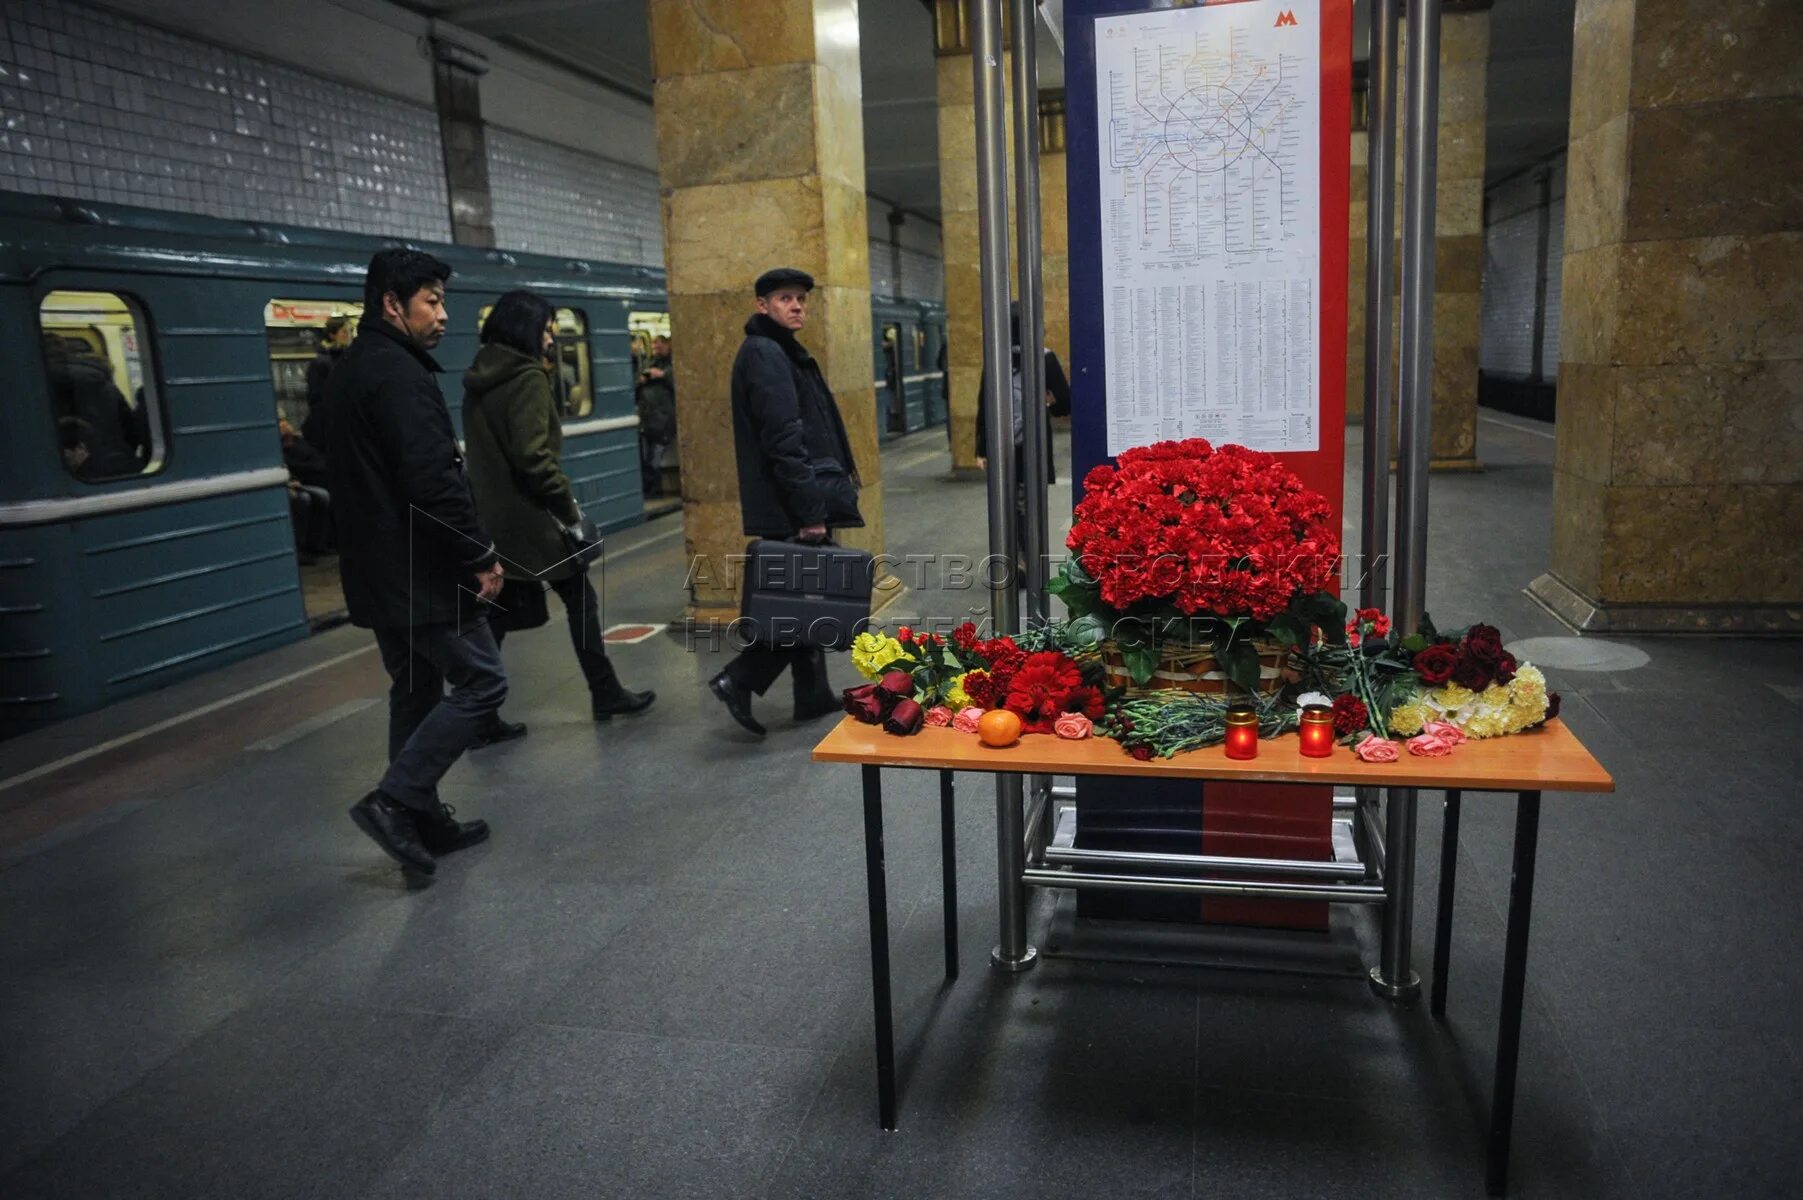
(1143, 753)
(1435, 664)
(904, 635)
(1349, 715)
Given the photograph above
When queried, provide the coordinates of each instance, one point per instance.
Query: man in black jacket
(414, 562)
(797, 480)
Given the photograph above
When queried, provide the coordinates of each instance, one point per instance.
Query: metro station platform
(652, 981)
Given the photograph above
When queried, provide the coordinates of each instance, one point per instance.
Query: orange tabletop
(1548, 759)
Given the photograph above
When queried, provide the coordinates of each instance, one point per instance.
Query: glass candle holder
(1242, 731)
(1316, 731)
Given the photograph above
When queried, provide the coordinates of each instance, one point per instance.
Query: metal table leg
(1012, 951)
(1449, 865)
(1515, 967)
(948, 868)
(1393, 978)
(879, 945)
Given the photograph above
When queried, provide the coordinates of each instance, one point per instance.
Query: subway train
(147, 515)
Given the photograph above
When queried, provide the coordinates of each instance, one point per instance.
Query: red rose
(1506, 667)
(904, 635)
(865, 703)
(1349, 715)
(1434, 665)
(1472, 673)
(896, 685)
(1484, 643)
(905, 718)
(1552, 706)
(1143, 753)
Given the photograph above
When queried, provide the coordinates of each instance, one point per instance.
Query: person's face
(343, 336)
(787, 306)
(661, 347)
(422, 317)
(549, 339)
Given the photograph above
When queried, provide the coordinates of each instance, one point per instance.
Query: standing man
(655, 399)
(413, 559)
(333, 339)
(797, 480)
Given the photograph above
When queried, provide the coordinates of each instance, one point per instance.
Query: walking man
(797, 480)
(414, 561)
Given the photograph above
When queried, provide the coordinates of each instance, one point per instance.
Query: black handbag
(581, 541)
(805, 594)
(520, 605)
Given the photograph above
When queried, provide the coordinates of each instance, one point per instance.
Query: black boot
(497, 730)
(737, 701)
(621, 703)
(391, 825)
(442, 833)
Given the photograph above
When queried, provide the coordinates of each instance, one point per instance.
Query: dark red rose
(1552, 705)
(865, 703)
(1434, 665)
(896, 685)
(1483, 643)
(1143, 753)
(1472, 673)
(1349, 715)
(1505, 667)
(905, 718)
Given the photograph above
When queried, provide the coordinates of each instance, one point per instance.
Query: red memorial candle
(1242, 731)
(1316, 731)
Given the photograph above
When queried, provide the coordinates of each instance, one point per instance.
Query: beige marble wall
(761, 159)
(1355, 276)
(1678, 485)
(1054, 227)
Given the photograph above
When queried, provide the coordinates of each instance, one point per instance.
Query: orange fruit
(998, 727)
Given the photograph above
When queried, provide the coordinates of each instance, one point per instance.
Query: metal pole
(1032, 303)
(1394, 977)
(1380, 263)
(1012, 953)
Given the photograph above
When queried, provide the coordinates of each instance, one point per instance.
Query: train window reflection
(572, 384)
(103, 389)
(305, 339)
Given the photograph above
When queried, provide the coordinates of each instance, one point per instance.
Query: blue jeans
(429, 730)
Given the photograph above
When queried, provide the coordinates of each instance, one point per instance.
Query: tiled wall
(98, 107)
(922, 274)
(549, 200)
(1511, 238)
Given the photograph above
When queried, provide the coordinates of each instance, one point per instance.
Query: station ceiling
(608, 41)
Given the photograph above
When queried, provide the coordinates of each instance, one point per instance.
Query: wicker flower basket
(1195, 670)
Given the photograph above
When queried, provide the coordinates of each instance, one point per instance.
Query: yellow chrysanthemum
(955, 697)
(1407, 719)
(871, 654)
(1528, 683)
(1486, 725)
(1452, 697)
(1496, 696)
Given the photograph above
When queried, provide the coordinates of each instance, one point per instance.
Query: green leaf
(1141, 659)
(1415, 643)
(1427, 629)
(1087, 630)
(1239, 660)
(1287, 630)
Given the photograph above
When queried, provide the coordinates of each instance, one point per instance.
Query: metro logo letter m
(1286, 17)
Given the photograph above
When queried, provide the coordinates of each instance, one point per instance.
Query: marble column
(1054, 226)
(760, 141)
(1678, 478)
(958, 212)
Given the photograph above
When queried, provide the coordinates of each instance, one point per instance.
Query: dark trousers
(311, 510)
(755, 669)
(583, 608)
(429, 729)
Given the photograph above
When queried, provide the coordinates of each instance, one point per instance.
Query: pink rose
(1429, 746)
(1446, 731)
(939, 716)
(1074, 726)
(966, 721)
(1377, 750)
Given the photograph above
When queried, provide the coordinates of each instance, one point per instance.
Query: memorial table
(1548, 759)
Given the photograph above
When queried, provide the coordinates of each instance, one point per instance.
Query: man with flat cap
(797, 480)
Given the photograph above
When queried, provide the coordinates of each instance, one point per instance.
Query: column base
(1584, 615)
(1405, 991)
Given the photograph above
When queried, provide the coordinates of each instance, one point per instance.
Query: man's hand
(489, 582)
(812, 533)
(982, 464)
(654, 373)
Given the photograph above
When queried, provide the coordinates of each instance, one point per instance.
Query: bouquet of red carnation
(1187, 543)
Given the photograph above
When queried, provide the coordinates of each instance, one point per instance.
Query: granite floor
(652, 982)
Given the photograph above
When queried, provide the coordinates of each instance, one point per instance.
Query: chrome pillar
(1037, 432)
(1394, 978)
(1380, 263)
(1012, 953)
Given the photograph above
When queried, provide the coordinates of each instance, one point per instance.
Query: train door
(305, 338)
(654, 400)
(892, 411)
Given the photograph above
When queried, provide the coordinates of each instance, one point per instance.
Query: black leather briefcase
(804, 594)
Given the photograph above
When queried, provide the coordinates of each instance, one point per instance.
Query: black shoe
(737, 701)
(622, 704)
(442, 833)
(812, 708)
(390, 825)
(498, 730)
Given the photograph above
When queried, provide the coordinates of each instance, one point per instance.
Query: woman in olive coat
(514, 438)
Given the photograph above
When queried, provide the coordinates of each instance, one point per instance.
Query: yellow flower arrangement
(1498, 710)
(871, 654)
(955, 697)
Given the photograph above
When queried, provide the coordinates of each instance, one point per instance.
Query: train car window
(103, 385)
(920, 348)
(305, 339)
(645, 328)
(572, 383)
